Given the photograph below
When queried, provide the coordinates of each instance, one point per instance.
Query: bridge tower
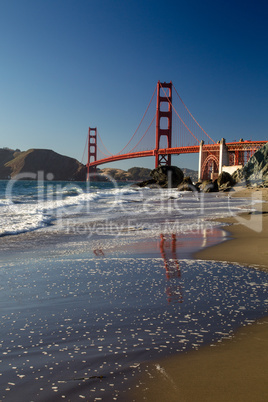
(163, 121)
(92, 149)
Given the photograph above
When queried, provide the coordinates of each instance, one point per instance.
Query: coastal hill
(132, 174)
(6, 155)
(62, 167)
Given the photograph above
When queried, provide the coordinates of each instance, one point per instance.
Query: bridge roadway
(231, 146)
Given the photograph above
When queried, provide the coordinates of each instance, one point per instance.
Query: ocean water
(87, 208)
(97, 279)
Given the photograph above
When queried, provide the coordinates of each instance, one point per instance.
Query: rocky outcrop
(187, 185)
(164, 176)
(255, 171)
(52, 165)
(225, 178)
(146, 183)
(209, 186)
(225, 182)
(167, 176)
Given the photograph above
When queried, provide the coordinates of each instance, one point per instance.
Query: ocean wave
(41, 206)
(23, 222)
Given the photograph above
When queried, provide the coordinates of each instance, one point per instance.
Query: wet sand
(232, 370)
(249, 233)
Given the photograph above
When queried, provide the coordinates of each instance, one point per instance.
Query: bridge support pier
(200, 160)
(213, 159)
(209, 161)
(92, 150)
(223, 158)
(164, 127)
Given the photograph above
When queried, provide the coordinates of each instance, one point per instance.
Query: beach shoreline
(248, 231)
(234, 369)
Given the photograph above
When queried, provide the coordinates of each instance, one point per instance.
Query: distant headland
(53, 165)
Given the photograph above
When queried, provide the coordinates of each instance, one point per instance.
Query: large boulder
(198, 185)
(225, 178)
(147, 183)
(167, 176)
(225, 181)
(255, 170)
(226, 187)
(187, 185)
(209, 186)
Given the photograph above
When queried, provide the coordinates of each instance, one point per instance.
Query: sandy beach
(233, 369)
(249, 239)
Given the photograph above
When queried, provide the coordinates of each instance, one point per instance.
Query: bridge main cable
(103, 146)
(143, 134)
(139, 125)
(193, 116)
(178, 114)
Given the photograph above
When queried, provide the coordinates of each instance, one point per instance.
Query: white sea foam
(31, 206)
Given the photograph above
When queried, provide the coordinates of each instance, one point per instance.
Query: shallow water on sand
(96, 280)
(76, 327)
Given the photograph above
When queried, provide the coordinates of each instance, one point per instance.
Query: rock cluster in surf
(173, 177)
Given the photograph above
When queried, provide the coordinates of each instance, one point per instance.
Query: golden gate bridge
(168, 128)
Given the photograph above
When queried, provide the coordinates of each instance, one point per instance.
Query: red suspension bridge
(168, 129)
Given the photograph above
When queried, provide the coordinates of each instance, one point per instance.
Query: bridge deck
(231, 146)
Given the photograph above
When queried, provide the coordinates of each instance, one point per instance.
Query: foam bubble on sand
(163, 372)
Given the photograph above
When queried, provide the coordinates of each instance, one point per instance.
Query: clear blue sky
(69, 64)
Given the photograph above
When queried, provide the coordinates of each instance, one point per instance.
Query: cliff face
(6, 155)
(34, 160)
(256, 169)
